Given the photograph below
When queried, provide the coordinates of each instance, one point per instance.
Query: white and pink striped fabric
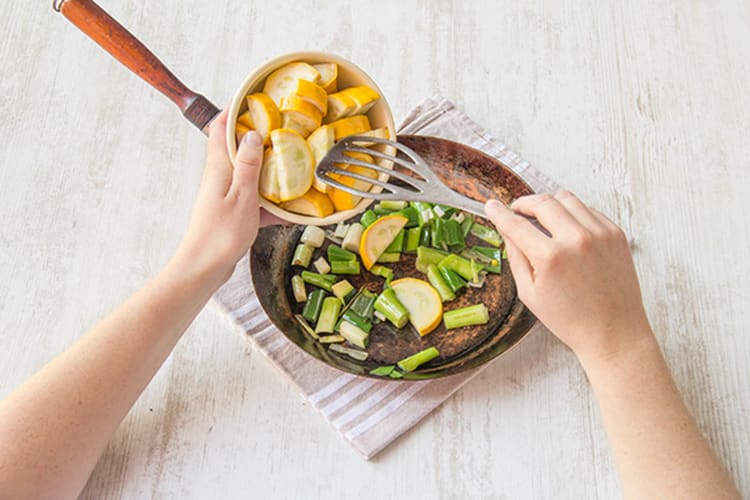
(368, 413)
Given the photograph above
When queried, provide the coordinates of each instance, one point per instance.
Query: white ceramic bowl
(349, 75)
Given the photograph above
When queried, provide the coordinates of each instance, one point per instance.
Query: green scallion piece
(338, 254)
(425, 237)
(383, 272)
(345, 266)
(454, 281)
(411, 214)
(438, 282)
(313, 306)
(329, 314)
(468, 269)
(364, 304)
(368, 218)
(486, 234)
(415, 360)
(383, 371)
(412, 239)
(397, 245)
(494, 256)
(466, 316)
(298, 288)
(466, 225)
(389, 306)
(392, 205)
(426, 256)
(438, 234)
(389, 257)
(355, 319)
(453, 235)
(380, 211)
(302, 255)
(324, 281)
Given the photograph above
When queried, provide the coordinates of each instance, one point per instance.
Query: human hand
(226, 215)
(580, 281)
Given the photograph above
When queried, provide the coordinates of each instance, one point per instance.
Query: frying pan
(468, 171)
(471, 173)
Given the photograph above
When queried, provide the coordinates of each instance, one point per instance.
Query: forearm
(659, 451)
(54, 427)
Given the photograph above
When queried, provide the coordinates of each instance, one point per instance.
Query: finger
(523, 272)
(604, 220)
(529, 240)
(269, 219)
(550, 213)
(247, 164)
(218, 172)
(578, 209)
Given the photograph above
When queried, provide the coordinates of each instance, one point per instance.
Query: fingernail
(494, 205)
(253, 138)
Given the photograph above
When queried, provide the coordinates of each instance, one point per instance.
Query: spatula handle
(123, 46)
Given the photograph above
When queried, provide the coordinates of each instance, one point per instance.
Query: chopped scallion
(302, 255)
(345, 266)
(313, 305)
(313, 236)
(321, 265)
(298, 288)
(328, 315)
(389, 306)
(466, 316)
(415, 360)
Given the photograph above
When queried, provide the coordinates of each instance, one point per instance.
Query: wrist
(620, 347)
(196, 271)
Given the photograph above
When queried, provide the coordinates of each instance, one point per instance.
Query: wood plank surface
(642, 108)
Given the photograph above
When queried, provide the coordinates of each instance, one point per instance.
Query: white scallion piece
(331, 236)
(341, 230)
(322, 266)
(352, 353)
(353, 235)
(480, 281)
(313, 236)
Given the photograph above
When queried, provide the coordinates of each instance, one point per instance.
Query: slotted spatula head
(410, 179)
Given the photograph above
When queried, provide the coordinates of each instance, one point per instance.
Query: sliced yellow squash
(295, 164)
(312, 203)
(321, 141)
(264, 115)
(281, 82)
(329, 73)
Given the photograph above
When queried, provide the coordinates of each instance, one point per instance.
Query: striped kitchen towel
(368, 413)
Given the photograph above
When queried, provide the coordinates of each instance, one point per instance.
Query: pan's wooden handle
(123, 46)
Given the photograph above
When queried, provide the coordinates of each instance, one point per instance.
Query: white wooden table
(642, 108)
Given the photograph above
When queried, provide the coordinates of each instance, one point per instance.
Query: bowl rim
(261, 72)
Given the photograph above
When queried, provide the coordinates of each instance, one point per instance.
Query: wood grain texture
(640, 107)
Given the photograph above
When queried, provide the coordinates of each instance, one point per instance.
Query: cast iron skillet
(469, 172)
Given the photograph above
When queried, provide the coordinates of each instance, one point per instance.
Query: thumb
(248, 162)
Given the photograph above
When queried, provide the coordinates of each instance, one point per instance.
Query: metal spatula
(420, 184)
